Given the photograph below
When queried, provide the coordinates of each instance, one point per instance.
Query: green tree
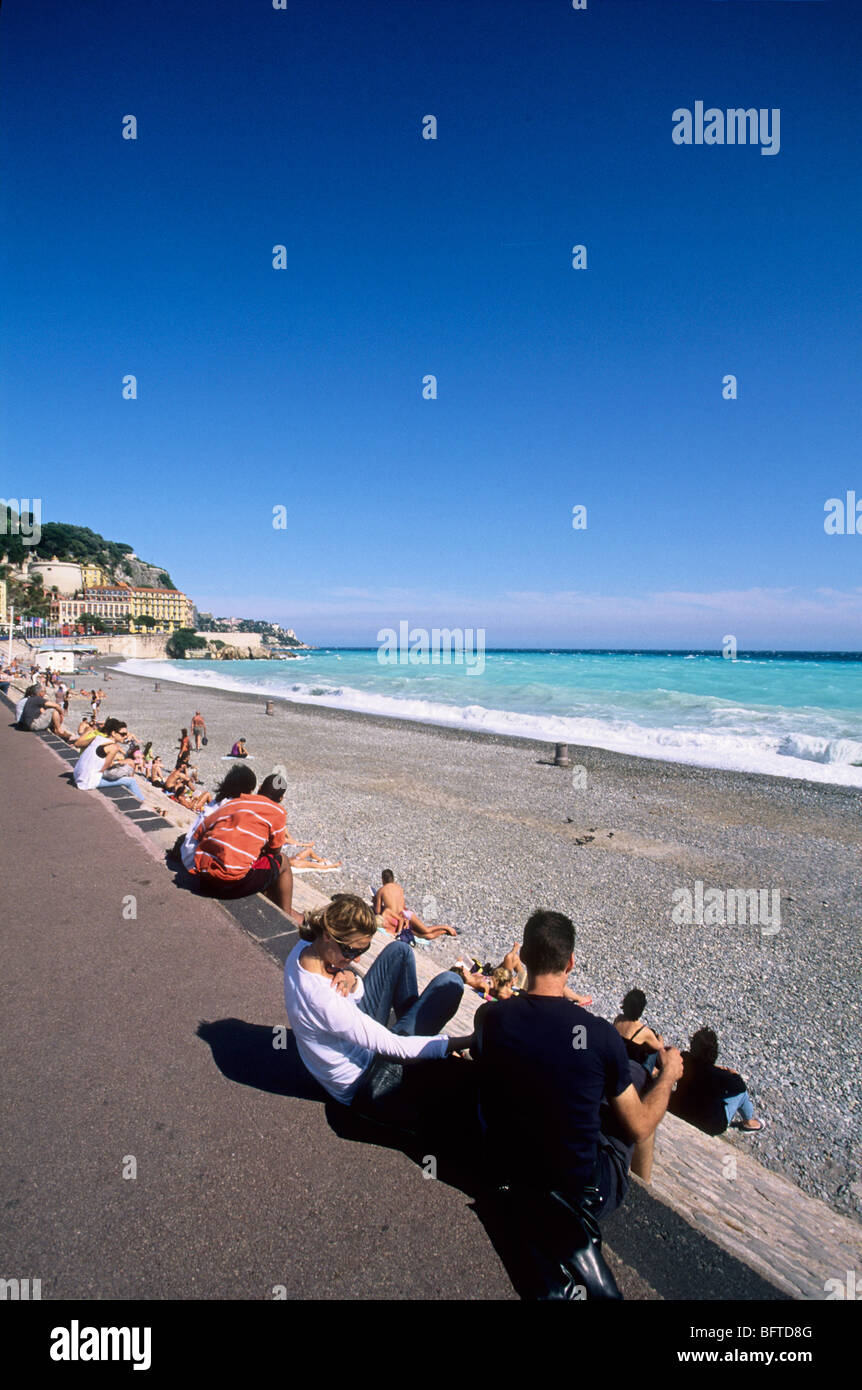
(93, 620)
(182, 641)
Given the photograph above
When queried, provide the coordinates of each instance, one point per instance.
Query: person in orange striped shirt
(238, 848)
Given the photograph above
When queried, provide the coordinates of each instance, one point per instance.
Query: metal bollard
(561, 755)
(270, 707)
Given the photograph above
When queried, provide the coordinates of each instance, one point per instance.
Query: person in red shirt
(239, 849)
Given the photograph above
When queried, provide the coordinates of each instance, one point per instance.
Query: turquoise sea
(792, 714)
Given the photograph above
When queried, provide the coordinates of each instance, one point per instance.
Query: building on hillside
(125, 605)
(93, 576)
(63, 575)
(108, 604)
(169, 608)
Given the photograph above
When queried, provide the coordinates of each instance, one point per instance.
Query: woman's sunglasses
(349, 952)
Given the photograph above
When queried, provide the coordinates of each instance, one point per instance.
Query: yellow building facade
(169, 608)
(125, 606)
(92, 576)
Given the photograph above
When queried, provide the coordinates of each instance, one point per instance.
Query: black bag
(560, 1244)
(204, 741)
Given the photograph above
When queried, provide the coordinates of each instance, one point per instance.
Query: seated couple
(104, 761)
(234, 849)
(560, 1106)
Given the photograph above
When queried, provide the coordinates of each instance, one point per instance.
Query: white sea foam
(741, 749)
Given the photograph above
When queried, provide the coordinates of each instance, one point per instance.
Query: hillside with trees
(80, 544)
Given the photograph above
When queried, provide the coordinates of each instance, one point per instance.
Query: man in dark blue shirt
(559, 1098)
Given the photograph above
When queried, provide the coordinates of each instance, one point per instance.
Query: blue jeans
(128, 782)
(740, 1105)
(391, 984)
(383, 1093)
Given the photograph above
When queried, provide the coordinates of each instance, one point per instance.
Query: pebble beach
(482, 829)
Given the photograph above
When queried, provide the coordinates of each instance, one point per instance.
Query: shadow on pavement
(446, 1126)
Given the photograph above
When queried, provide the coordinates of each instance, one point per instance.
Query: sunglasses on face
(349, 952)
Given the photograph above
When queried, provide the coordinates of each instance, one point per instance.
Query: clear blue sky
(406, 256)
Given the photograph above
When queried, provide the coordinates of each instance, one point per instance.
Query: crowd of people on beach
(565, 1104)
(234, 847)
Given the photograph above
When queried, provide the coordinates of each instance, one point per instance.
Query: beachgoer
(89, 771)
(41, 713)
(560, 1102)
(184, 747)
(339, 1021)
(234, 783)
(238, 850)
(390, 898)
(239, 749)
(482, 978)
(710, 1097)
(178, 780)
(496, 984)
(642, 1044)
(274, 787)
(199, 729)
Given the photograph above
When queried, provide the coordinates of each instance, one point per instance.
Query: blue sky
(303, 387)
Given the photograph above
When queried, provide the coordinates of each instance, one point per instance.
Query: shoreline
(392, 721)
(482, 829)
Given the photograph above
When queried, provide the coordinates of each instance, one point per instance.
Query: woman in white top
(89, 771)
(339, 1021)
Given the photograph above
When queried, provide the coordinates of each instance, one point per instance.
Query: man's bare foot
(751, 1126)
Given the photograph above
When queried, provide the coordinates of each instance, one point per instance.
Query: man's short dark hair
(387, 876)
(549, 940)
(704, 1046)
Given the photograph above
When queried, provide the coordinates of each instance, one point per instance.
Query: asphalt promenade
(137, 1038)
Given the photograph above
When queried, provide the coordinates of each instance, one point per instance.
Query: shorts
(42, 721)
(262, 874)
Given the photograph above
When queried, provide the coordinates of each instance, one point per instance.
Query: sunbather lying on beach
(499, 984)
(389, 899)
(502, 981)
